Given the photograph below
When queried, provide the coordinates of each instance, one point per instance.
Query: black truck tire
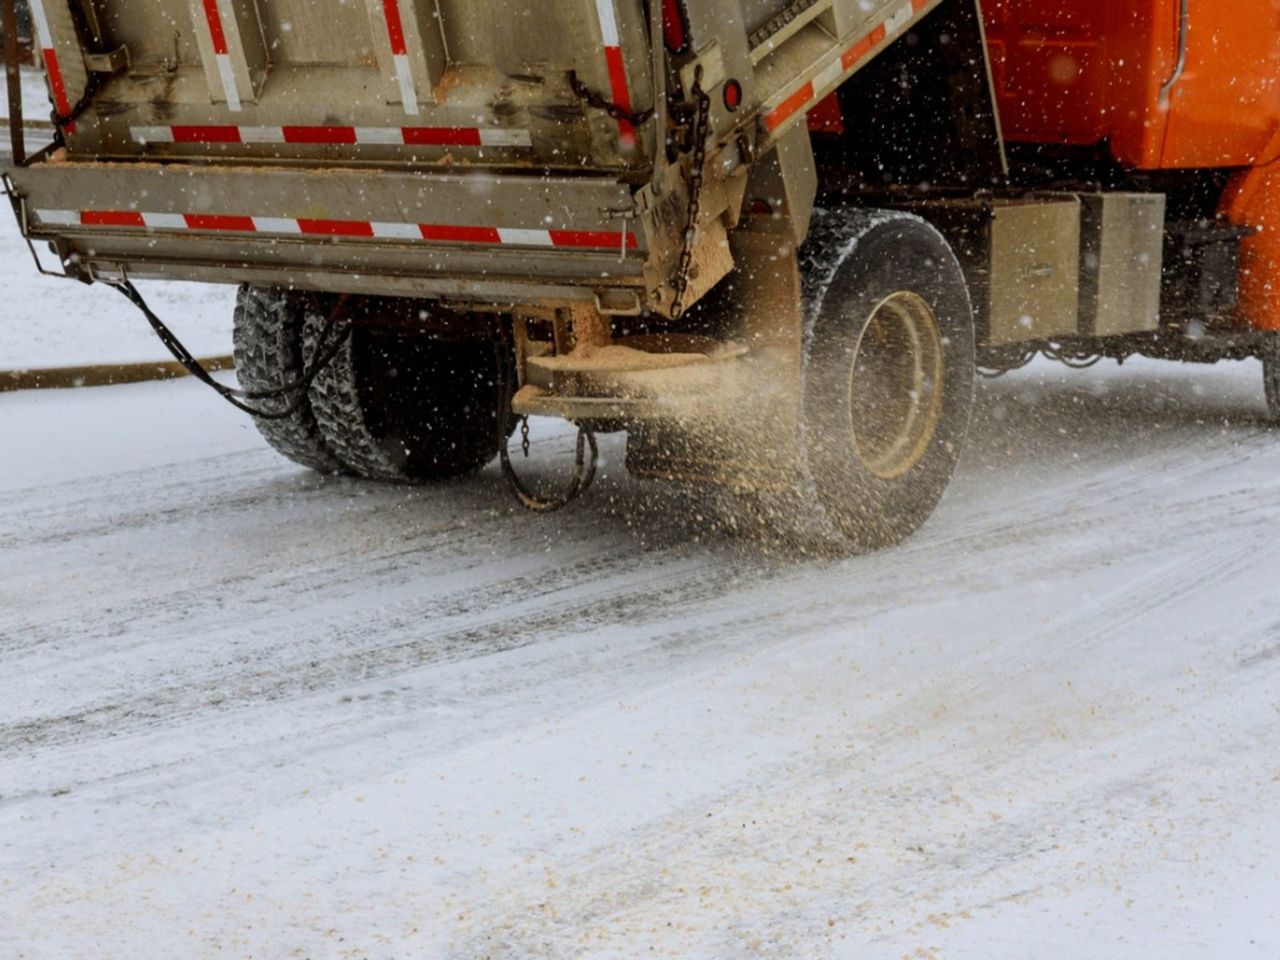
(888, 371)
(1271, 376)
(267, 336)
(405, 406)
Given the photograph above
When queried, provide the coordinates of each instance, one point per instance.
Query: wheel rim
(895, 385)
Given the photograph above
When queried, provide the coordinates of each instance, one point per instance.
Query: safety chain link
(701, 122)
(615, 110)
(586, 454)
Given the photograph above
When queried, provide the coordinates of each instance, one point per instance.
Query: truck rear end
(479, 151)
(427, 149)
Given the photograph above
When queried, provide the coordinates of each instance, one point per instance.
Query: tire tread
(268, 354)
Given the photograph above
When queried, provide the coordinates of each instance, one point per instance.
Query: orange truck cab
(1183, 93)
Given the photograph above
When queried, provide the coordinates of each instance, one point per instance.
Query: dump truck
(772, 241)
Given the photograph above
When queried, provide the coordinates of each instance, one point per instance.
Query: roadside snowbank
(35, 97)
(46, 322)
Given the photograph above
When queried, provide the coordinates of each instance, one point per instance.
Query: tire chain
(266, 335)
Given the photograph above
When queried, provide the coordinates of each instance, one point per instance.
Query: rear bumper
(489, 237)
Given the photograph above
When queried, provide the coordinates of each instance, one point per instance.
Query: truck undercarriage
(772, 242)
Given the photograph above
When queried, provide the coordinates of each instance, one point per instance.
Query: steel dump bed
(401, 82)
(449, 148)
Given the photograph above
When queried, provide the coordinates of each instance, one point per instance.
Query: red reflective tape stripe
(789, 106)
(591, 238)
(413, 136)
(395, 29)
(621, 93)
(336, 228)
(111, 218)
(205, 134)
(319, 134)
(448, 234)
(215, 26)
(618, 77)
(217, 221)
(55, 81)
(918, 5)
(445, 233)
(862, 47)
(441, 136)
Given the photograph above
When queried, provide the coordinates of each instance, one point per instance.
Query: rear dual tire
(394, 403)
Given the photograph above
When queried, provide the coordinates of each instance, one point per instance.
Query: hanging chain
(586, 457)
(600, 102)
(701, 121)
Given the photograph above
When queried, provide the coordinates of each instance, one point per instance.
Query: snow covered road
(249, 712)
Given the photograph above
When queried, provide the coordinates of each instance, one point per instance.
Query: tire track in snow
(746, 834)
(397, 618)
(506, 628)
(763, 613)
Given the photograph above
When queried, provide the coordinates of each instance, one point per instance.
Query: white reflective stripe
(525, 238)
(397, 231)
(505, 138)
(152, 134)
(261, 134)
(165, 221)
(380, 135)
(900, 18)
(66, 217)
(276, 225)
(828, 75)
(228, 80)
(42, 23)
(407, 93)
(608, 22)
